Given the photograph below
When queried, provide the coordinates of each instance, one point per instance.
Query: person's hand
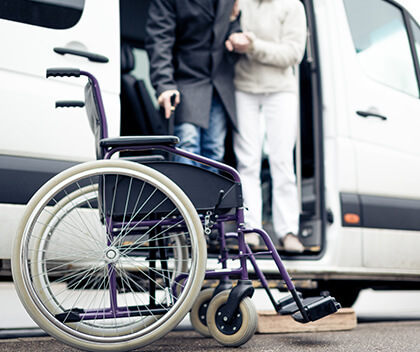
(229, 45)
(164, 101)
(238, 42)
(235, 11)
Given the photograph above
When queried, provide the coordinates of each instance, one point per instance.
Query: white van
(358, 153)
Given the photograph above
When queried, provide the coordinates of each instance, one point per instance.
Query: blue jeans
(210, 142)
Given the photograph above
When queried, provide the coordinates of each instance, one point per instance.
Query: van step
(270, 322)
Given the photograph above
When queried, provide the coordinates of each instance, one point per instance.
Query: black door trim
(21, 177)
(381, 212)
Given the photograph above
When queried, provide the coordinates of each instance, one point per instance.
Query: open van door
(40, 34)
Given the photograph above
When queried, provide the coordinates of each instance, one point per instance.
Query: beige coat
(277, 29)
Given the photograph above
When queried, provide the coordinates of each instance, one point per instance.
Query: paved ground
(388, 321)
(367, 337)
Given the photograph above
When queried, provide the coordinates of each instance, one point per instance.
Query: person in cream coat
(266, 88)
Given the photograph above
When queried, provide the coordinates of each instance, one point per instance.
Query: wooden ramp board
(269, 322)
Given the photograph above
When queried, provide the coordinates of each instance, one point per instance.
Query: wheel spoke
(100, 250)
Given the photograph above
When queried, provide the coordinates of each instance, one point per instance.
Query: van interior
(140, 116)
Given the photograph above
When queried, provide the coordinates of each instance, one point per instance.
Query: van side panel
(37, 140)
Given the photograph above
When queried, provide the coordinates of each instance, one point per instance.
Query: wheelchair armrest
(134, 141)
(144, 158)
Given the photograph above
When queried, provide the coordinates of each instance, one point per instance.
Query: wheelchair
(110, 255)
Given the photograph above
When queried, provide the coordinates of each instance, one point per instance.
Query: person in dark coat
(187, 42)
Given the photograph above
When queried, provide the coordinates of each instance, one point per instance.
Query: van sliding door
(37, 35)
(385, 129)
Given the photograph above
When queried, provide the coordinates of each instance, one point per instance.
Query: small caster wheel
(198, 314)
(242, 325)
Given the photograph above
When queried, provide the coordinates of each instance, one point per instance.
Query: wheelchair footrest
(288, 306)
(288, 302)
(317, 308)
(70, 316)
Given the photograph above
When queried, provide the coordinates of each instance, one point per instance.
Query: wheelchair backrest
(96, 115)
(93, 103)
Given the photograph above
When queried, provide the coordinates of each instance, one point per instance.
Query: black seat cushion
(139, 115)
(201, 186)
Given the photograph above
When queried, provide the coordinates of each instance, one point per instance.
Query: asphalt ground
(395, 336)
(387, 321)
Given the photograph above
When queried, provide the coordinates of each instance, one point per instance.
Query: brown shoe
(292, 244)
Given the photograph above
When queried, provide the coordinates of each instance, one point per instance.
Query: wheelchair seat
(202, 186)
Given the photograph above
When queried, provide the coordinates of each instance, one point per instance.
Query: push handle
(63, 72)
(69, 104)
(173, 97)
(90, 56)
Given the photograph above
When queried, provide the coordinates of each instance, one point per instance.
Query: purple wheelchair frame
(303, 310)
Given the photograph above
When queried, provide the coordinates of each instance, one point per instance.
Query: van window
(141, 71)
(381, 42)
(416, 34)
(56, 14)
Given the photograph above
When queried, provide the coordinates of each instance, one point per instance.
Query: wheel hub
(228, 327)
(202, 312)
(112, 254)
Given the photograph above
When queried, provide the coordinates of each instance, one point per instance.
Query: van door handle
(368, 114)
(90, 56)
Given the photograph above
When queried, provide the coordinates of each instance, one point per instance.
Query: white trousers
(280, 113)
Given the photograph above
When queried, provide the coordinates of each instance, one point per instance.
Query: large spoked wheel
(101, 251)
(198, 314)
(242, 326)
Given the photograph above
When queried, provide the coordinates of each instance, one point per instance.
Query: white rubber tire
(66, 332)
(246, 329)
(197, 316)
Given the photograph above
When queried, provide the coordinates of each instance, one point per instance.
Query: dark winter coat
(185, 43)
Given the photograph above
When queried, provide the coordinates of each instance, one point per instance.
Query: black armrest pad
(144, 158)
(138, 141)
